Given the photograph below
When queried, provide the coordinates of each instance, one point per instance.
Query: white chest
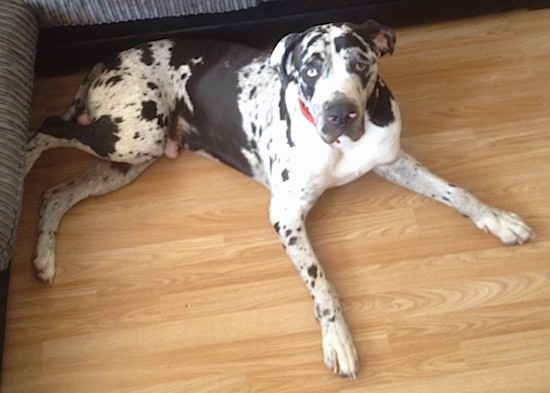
(345, 160)
(353, 159)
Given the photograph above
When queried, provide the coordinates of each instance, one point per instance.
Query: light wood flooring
(177, 282)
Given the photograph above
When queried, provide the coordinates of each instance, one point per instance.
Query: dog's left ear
(281, 55)
(382, 36)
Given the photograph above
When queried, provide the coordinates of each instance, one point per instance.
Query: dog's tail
(78, 107)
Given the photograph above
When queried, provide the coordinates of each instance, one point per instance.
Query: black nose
(341, 113)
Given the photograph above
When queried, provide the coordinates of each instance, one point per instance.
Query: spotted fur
(311, 115)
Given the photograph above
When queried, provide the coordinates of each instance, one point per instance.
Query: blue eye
(312, 72)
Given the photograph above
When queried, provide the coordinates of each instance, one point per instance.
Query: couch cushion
(18, 35)
(87, 12)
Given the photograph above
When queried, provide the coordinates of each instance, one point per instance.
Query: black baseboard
(4, 286)
(63, 50)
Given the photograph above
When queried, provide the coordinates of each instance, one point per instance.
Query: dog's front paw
(338, 348)
(44, 264)
(507, 226)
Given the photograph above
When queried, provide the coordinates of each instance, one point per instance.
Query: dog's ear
(281, 55)
(382, 36)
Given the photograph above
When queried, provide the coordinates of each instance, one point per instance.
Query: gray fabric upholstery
(18, 35)
(20, 21)
(85, 12)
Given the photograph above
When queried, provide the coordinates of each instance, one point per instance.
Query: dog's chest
(379, 145)
(345, 161)
(309, 158)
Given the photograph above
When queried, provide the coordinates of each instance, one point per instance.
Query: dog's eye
(311, 72)
(360, 67)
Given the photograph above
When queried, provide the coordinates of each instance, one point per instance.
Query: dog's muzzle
(342, 117)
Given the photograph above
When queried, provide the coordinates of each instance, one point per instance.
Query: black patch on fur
(149, 110)
(364, 79)
(315, 37)
(112, 62)
(146, 55)
(152, 86)
(283, 115)
(307, 89)
(97, 83)
(379, 105)
(348, 41)
(292, 241)
(213, 88)
(283, 112)
(289, 140)
(312, 271)
(121, 167)
(113, 80)
(100, 135)
(284, 174)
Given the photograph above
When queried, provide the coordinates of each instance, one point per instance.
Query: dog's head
(334, 68)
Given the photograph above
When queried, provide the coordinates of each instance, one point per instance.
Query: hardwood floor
(177, 282)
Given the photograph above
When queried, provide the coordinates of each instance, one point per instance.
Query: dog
(312, 114)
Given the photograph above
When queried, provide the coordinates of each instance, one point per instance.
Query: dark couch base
(259, 27)
(4, 286)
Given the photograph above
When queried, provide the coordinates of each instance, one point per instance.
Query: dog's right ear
(281, 58)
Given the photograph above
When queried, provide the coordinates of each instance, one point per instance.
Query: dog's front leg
(409, 173)
(288, 216)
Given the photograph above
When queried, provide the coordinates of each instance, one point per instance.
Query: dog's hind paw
(339, 351)
(44, 265)
(507, 226)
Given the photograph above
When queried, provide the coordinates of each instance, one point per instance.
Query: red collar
(307, 114)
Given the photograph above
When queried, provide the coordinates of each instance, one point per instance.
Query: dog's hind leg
(409, 173)
(41, 141)
(38, 144)
(101, 178)
(97, 138)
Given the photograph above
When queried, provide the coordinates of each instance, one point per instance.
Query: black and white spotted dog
(312, 115)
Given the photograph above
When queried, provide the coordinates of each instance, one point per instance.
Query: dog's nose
(341, 114)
